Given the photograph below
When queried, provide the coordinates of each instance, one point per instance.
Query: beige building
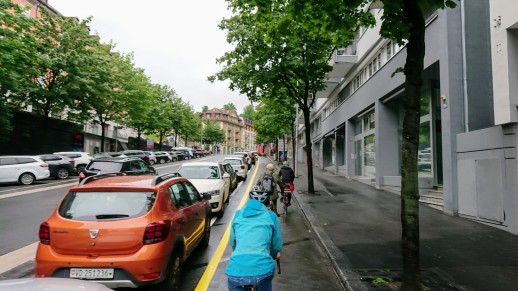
(234, 128)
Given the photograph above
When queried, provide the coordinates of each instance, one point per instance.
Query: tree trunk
(139, 133)
(161, 139)
(309, 157)
(409, 178)
(103, 123)
(293, 144)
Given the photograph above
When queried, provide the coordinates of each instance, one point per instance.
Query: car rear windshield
(233, 161)
(104, 166)
(199, 172)
(87, 206)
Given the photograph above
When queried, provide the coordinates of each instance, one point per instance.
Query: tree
(66, 49)
(205, 109)
(403, 21)
(163, 114)
(278, 52)
(229, 106)
(212, 134)
(18, 55)
(249, 112)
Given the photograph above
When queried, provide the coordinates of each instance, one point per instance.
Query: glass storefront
(364, 145)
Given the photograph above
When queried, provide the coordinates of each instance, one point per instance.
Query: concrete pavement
(359, 228)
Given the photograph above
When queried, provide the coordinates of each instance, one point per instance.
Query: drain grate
(383, 279)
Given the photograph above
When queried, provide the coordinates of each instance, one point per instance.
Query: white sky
(176, 42)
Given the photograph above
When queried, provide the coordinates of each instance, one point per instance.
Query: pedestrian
(269, 181)
(256, 241)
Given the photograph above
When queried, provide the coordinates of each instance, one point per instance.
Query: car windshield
(233, 161)
(104, 166)
(199, 172)
(106, 205)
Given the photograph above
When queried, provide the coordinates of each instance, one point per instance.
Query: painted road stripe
(206, 278)
(37, 190)
(18, 257)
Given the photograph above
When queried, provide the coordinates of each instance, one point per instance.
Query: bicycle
(286, 196)
(254, 287)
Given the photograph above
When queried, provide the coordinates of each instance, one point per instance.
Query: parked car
(180, 155)
(60, 167)
(209, 178)
(124, 231)
(81, 159)
(233, 175)
(163, 157)
(238, 165)
(129, 166)
(248, 160)
(46, 284)
(186, 151)
(22, 169)
(137, 153)
(152, 157)
(109, 154)
(198, 153)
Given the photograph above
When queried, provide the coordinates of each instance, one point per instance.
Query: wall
(488, 176)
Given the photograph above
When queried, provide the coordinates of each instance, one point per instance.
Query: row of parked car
(162, 219)
(26, 169)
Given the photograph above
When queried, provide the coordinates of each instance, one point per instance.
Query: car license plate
(91, 273)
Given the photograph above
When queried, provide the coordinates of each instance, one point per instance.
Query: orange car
(124, 231)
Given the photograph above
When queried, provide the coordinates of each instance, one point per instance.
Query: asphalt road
(304, 265)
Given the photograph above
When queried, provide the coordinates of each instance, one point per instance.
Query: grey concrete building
(467, 150)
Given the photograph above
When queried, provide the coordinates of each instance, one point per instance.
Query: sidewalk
(359, 228)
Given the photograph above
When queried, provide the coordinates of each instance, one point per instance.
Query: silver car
(239, 166)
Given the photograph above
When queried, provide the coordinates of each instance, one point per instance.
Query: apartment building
(234, 128)
(468, 127)
(249, 136)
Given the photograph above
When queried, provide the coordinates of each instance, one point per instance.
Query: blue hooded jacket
(255, 238)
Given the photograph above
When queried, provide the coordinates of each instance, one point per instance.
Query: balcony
(331, 84)
(343, 60)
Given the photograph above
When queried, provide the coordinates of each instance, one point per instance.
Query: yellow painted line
(206, 278)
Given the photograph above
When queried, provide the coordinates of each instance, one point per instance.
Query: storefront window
(369, 155)
(424, 154)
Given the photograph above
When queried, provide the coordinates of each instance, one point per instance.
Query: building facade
(467, 145)
(233, 126)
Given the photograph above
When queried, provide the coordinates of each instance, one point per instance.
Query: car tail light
(44, 165)
(44, 233)
(82, 175)
(151, 276)
(156, 232)
(242, 166)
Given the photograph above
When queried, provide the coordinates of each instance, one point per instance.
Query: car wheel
(222, 210)
(151, 162)
(62, 174)
(26, 178)
(175, 159)
(80, 168)
(162, 161)
(172, 279)
(206, 234)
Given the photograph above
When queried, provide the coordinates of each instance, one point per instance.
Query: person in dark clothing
(287, 177)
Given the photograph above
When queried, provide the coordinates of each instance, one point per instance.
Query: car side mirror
(206, 196)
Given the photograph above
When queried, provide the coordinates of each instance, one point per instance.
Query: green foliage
(229, 106)
(249, 112)
(274, 118)
(205, 108)
(212, 133)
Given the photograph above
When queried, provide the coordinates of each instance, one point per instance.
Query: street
(303, 264)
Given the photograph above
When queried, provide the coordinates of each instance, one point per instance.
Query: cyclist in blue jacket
(256, 241)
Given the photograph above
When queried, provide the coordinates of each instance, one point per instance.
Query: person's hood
(253, 208)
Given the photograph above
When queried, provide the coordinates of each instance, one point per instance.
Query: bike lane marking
(3, 196)
(206, 278)
(18, 257)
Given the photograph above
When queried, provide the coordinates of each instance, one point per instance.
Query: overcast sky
(176, 42)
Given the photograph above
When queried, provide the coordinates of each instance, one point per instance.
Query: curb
(348, 279)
